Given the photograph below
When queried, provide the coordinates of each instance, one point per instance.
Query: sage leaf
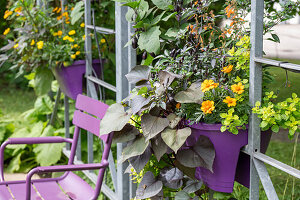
(138, 73)
(172, 178)
(140, 161)
(193, 94)
(152, 125)
(127, 134)
(192, 186)
(137, 147)
(175, 138)
(137, 103)
(182, 195)
(148, 187)
(114, 119)
(202, 154)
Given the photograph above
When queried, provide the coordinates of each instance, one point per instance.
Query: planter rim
(209, 127)
(80, 62)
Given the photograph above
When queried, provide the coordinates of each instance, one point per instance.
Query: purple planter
(71, 78)
(227, 148)
(243, 167)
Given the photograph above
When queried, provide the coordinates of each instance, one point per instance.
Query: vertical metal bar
(67, 122)
(122, 90)
(78, 149)
(255, 90)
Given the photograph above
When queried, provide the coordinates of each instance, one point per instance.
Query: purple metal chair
(68, 186)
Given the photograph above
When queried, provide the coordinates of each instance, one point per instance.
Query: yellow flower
(32, 42)
(230, 101)
(7, 14)
(71, 39)
(82, 25)
(40, 44)
(66, 7)
(65, 14)
(102, 40)
(208, 85)
(77, 53)
(72, 8)
(59, 17)
(83, 37)
(66, 37)
(19, 9)
(73, 56)
(238, 88)
(227, 69)
(6, 31)
(75, 45)
(207, 106)
(58, 11)
(55, 9)
(55, 34)
(59, 33)
(67, 22)
(16, 45)
(72, 32)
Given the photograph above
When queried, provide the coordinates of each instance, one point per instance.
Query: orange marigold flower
(230, 101)
(208, 85)
(229, 11)
(207, 106)
(178, 105)
(58, 11)
(7, 14)
(238, 88)
(227, 69)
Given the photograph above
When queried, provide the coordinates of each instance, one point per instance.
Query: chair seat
(70, 187)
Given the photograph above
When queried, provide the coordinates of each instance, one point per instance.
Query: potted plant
(48, 41)
(186, 119)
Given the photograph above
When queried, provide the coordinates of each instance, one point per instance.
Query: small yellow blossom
(40, 44)
(65, 14)
(75, 45)
(208, 85)
(73, 56)
(83, 37)
(77, 53)
(67, 22)
(55, 34)
(55, 9)
(71, 39)
(58, 11)
(230, 101)
(6, 31)
(102, 40)
(66, 7)
(72, 8)
(16, 45)
(32, 42)
(227, 69)
(238, 88)
(59, 33)
(72, 32)
(59, 17)
(66, 37)
(82, 25)
(19, 9)
(7, 14)
(207, 106)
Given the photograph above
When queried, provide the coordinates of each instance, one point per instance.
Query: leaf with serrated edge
(175, 138)
(148, 187)
(202, 154)
(174, 119)
(159, 147)
(127, 134)
(114, 119)
(138, 73)
(193, 94)
(152, 125)
(137, 147)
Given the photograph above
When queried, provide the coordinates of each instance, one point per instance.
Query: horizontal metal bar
(276, 63)
(277, 164)
(265, 179)
(101, 29)
(93, 177)
(102, 83)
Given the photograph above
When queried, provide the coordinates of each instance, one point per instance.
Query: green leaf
(115, 113)
(143, 90)
(182, 195)
(138, 73)
(140, 161)
(175, 138)
(48, 154)
(159, 147)
(152, 125)
(137, 147)
(275, 128)
(193, 94)
(14, 164)
(169, 16)
(174, 119)
(149, 40)
(263, 124)
(162, 4)
(275, 37)
(172, 32)
(76, 17)
(42, 80)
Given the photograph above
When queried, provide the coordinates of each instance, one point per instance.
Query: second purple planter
(227, 147)
(71, 78)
